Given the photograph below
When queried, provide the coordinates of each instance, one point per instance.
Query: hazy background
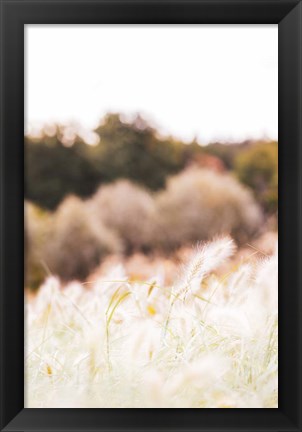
(145, 140)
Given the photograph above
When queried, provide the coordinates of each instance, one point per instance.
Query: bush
(128, 210)
(78, 242)
(196, 205)
(199, 204)
(36, 232)
(257, 167)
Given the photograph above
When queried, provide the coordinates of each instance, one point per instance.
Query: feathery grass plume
(207, 257)
(100, 345)
(239, 284)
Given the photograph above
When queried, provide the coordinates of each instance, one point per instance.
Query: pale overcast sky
(210, 81)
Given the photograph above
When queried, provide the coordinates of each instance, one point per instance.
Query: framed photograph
(151, 215)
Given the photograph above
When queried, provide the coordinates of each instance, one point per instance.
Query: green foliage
(54, 169)
(153, 202)
(38, 228)
(227, 153)
(257, 167)
(134, 151)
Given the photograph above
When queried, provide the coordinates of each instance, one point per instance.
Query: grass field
(208, 339)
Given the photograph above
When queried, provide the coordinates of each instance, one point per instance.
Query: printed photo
(151, 216)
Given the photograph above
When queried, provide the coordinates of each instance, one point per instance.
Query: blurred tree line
(56, 167)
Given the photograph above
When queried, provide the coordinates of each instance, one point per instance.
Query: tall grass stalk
(102, 345)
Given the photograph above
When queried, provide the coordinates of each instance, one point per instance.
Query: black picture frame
(14, 15)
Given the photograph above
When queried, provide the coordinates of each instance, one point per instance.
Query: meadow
(206, 340)
(151, 272)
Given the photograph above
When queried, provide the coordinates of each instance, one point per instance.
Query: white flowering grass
(205, 342)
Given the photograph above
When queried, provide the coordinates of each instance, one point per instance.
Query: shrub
(257, 167)
(78, 242)
(199, 204)
(127, 209)
(36, 231)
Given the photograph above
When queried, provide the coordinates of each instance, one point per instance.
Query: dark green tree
(53, 170)
(133, 150)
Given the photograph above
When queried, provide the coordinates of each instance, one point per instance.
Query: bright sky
(210, 81)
